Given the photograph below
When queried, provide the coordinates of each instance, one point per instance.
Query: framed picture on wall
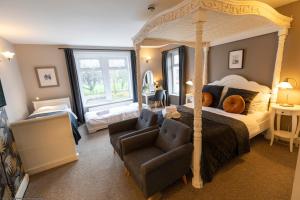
(47, 76)
(236, 59)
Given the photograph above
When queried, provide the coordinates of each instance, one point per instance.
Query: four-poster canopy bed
(203, 23)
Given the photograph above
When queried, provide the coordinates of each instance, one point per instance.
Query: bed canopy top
(204, 23)
(177, 24)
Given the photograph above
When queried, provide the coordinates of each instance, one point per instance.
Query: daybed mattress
(100, 119)
(256, 122)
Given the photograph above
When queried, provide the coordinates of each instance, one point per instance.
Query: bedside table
(277, 112)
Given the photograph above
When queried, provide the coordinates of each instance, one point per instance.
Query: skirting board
(51, 165)
(22, 188)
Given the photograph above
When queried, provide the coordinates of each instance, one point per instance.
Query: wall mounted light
(148, 58)
(190, 83)
(8, 55)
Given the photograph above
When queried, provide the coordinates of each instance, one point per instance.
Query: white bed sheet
(100, 119)
(68, 110)
(256, 123)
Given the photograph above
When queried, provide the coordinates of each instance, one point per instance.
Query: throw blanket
(74, 123)
(223, 138)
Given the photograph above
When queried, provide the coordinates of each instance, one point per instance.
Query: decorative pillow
(207, 99)
(260, 103)
(247, 95)
(234, 104)
(215, 91)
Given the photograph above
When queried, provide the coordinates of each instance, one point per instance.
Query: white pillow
(260, 103)
(52, 108)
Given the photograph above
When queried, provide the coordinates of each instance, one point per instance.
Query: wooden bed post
(277, 69)
(138, 76)
(205, 58)
(199, 21)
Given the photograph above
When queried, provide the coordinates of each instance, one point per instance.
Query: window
(173, 72)
(104, 77)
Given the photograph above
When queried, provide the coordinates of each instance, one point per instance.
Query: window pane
(92, 85)
(89, 63)
(176, 59)
(105, 77)
(116, 63)
(176, 80)
(119, 84)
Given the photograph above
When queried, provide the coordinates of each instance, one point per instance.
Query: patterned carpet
(266, 173)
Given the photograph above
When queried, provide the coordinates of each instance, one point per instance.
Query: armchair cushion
(165, 159)
(173, 134)
(146, 119)
(135, 159)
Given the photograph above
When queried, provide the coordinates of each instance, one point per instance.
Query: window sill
(107, 104)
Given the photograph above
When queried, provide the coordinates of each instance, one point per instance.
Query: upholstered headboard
(51, 102)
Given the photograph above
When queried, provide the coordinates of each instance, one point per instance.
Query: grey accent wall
(259, 59)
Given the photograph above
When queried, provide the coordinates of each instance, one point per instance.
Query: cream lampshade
(285, 85)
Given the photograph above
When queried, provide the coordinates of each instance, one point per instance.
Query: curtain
(74, 82)
(134, 78)
(181, 75)
(165, 74)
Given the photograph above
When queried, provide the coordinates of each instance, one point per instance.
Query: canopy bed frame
(203, 23)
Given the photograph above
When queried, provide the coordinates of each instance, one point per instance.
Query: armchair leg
(184, 180)
(156, 196)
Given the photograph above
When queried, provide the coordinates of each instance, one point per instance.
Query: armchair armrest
(121, 126)
(137, 141)
(165, 160)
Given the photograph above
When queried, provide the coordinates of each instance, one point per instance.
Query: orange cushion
(207, 99)
(234, 104)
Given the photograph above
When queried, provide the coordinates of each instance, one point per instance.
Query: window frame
(104, 57)
(170, 65)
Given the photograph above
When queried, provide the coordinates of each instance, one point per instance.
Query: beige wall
(154, 64)
(291, 60)
(30, 56)
(12, 83)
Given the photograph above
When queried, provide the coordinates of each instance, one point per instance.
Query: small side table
(277, 112)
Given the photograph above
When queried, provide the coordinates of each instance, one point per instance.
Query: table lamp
(285, 85)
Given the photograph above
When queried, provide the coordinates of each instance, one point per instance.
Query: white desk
(147, 95)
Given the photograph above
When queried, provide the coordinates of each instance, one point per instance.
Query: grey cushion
(146, 119)
(172, 134)
(134, 160)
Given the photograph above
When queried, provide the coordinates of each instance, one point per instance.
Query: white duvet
(53, 109)
(97, 120)
(255, 122)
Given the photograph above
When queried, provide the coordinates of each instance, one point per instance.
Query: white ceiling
(78, 22)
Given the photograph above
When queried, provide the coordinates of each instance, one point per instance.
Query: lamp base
(287, 105)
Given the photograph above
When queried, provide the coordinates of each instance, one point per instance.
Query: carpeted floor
(265, 173)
